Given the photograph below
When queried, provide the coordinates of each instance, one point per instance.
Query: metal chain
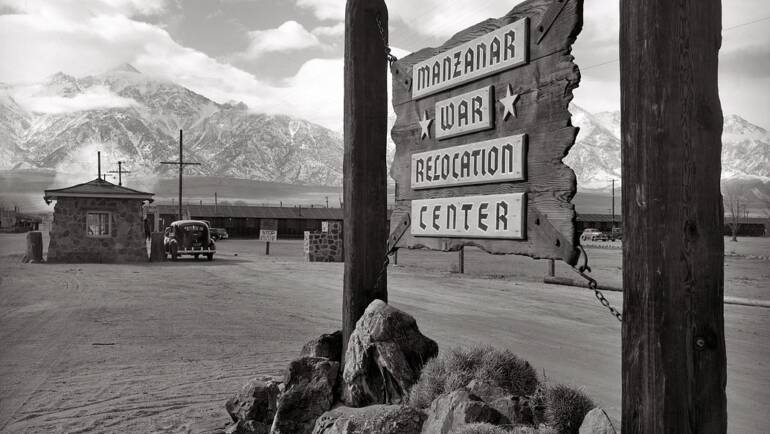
(391, 58)
(594, 286)
(381, 273)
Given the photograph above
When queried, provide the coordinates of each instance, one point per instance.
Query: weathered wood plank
(673, 363)
(545, 86)
(365, 172)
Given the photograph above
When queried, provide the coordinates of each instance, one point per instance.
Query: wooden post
(461, 260)
(34, 246)
(673, 363)
(364, 184)
(157, 251)
(267, 248)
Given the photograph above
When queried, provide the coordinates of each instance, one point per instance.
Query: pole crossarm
(180, 164)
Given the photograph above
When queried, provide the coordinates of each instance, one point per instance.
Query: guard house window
(98, 224)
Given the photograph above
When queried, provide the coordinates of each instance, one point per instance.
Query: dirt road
(160, 347)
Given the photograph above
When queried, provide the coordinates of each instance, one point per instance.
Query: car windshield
(193, 228)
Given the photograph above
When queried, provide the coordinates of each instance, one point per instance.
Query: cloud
(96, 97)
(325, 9)
(330, 31)
(85, 8)
(287, 37)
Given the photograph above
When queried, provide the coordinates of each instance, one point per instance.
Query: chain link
(391, 58)
(594, 286)
(383, 270)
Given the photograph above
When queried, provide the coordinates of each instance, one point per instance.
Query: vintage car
(189, 237)
(219, 234)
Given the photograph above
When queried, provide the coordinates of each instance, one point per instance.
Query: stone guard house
(97, 221)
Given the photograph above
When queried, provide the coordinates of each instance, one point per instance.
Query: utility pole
(673, 340)
(364, 172)
(120, 172)
(181, 163)
(216, 205)
(613, 209)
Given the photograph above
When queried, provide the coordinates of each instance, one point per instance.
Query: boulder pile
(383, 363)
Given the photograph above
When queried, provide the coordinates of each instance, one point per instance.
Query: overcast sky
(285, 55)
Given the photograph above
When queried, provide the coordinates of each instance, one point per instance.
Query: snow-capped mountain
(136, 118)
(595, 158)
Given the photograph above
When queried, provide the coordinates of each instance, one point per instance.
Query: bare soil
(160, 347)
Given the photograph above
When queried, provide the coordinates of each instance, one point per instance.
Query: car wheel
(196, 256)
(210, 256)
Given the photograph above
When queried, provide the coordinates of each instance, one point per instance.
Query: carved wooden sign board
(482, 125)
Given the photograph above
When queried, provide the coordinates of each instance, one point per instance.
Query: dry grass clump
(485, 428)
(482, 428)
(457, 367)
(564, 407)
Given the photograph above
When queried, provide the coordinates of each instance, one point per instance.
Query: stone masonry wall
(70, 241)
(325, 246)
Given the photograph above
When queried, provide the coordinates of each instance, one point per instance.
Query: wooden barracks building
(246, 220)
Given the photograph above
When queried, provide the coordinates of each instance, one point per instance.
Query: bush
(482, 428)
(457, 367)
(565, 407)
(485, 428)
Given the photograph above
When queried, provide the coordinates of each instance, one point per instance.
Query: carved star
(425, 125)
(509, 102)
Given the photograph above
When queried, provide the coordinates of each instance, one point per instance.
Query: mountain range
(140, 119)
(139, 125)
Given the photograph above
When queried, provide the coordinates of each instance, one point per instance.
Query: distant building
(247, 220)
(97, 221)
(747, 226)
(11, 220)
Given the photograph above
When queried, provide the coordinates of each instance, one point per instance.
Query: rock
(256, 401)
(326, 345)
(247, 427)
(485, 390)
(449, 412)
(597, 422)
(374, 419)
(517, 410)
(385, 355)
(309, 393)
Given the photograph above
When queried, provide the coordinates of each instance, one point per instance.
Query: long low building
(747, 226)
(246, 220)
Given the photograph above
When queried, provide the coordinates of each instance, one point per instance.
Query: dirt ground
(160, 347)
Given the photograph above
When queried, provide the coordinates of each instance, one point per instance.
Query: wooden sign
(465, 113)
(487, 216)
(495, 160)
(482, 125)
(500, 49)
(268, 235)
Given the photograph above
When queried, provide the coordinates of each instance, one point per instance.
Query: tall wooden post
(181, 170)
(364, 185)
(674, 366)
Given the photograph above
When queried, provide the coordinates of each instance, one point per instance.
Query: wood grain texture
(365, 172)
(673, 364)
(545, 88)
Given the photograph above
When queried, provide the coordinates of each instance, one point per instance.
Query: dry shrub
(457, 367)
(482, 428)
(565, 407)
(485, 428)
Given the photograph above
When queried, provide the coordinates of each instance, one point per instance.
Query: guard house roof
(98, 188)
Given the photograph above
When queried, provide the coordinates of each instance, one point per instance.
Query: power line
(726, 29)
